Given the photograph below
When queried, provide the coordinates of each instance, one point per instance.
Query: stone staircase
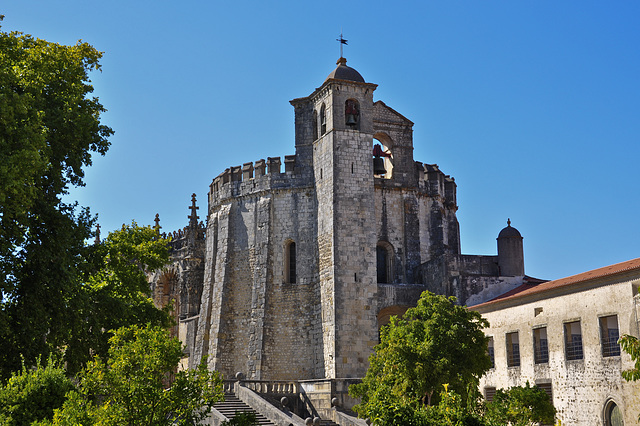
(233, 404)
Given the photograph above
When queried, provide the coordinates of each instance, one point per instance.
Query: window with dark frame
(491, 352)
(609, 335)
(513, 349)
(540, 345)
(290, 263)
(573, 341)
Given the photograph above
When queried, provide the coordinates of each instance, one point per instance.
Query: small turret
(510, 252)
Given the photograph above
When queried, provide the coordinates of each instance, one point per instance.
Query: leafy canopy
(116, 292)
(520, 406)
(32, 394)
(49, 129)
(138, 384)
(436, 342)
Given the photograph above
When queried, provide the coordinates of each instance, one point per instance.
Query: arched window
(323, 120)
(315, 125)
(384, 255)
(352, 114)
(290, 262)
(612, 414)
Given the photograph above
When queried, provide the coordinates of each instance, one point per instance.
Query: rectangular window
(573, 340)
(609, 335)
(491, 352)
(540, 345)
(513, 350)
(489, 393)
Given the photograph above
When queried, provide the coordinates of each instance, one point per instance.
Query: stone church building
(299, 264)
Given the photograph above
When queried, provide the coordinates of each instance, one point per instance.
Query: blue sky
(533, 106)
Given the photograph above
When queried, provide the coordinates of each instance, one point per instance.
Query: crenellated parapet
(254, 177)
(436, 183)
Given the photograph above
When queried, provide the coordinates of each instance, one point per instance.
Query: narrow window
(384, 252)
(323, 120)
(290, 263)
(315, 125)
(540, 345)
(513, 349)
(351, 168)
(573, 340)
(491, 352)
(609, 335)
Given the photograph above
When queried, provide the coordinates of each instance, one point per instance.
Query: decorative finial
(342, 41)
(97, 240)
(157, 225)
(193, 217)
(508, 222)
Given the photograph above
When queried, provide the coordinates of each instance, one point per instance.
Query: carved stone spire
(193, 217)
(157, 225)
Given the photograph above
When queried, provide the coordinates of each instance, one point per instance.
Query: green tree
(138, 384)
(631, 345)
(434, 343)
(116, 292)
(33, 393)
(242, 418)
(49, 130)
(520, 406)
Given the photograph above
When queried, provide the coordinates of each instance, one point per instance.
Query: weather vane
(342, 41)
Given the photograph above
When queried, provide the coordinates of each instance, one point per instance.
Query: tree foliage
(33, 393)
(116, 292)
(138, 384)
(631, 345)
(520, 406)
(436, 342)
(49, 129)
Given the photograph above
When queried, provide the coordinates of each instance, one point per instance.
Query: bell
(351, 119)
(378, 166)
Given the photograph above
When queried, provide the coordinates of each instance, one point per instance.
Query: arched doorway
(613, 414)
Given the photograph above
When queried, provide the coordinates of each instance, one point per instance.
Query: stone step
(232, 405)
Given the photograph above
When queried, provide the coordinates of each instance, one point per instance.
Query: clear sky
(533, 106)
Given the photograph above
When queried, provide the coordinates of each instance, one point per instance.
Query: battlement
(255, 177)
(436, 183)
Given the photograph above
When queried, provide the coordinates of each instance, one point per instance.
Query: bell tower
(334, 131)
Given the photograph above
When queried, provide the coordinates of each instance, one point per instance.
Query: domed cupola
(510, 252)
(343, 72)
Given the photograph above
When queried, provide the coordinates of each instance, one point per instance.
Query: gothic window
(323, 120)
(573, 340)
(513, 350)
(315, 125)
(384, 252)
(290, 262)
(540, 345)
(352, 114)
(609, 335)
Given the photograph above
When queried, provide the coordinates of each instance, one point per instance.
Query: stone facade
(562, 336)
(298, 268)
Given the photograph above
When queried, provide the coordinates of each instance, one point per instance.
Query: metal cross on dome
(342, 41)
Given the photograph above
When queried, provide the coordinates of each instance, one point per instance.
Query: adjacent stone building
(298, 268)
(562, 336)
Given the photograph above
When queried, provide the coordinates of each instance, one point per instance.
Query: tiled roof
(533, 288)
